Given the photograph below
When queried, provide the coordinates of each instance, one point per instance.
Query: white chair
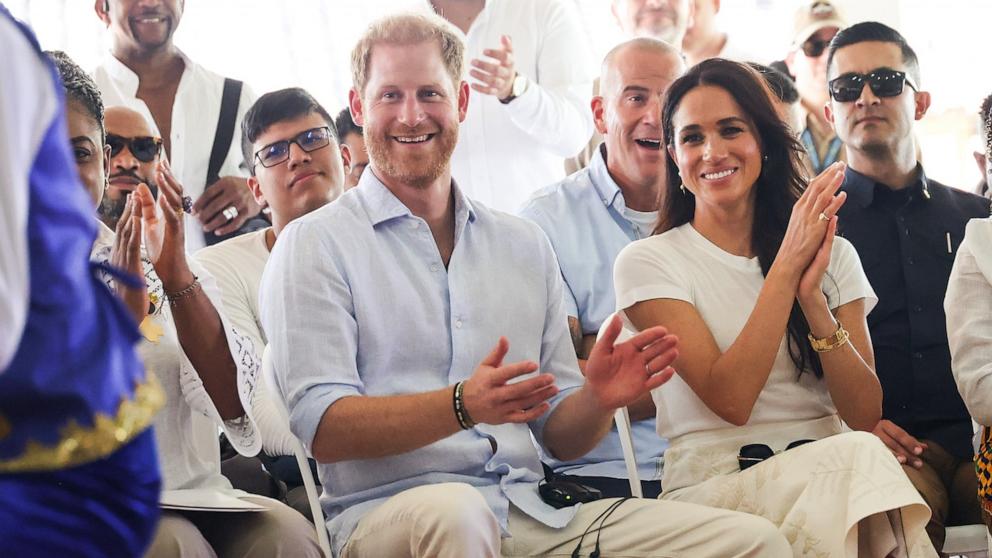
(622, 419)
(268, 375)
(966, 541)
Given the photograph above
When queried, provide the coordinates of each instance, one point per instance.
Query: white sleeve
(234, 163)
(845, 280)
(554, 110)
(242, 431)
(27, 108)
(643, 272)
(968, 305)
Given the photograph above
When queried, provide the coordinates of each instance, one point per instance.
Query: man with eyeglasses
(816, 23)
(906, 228)
(291, 147)
(195, 111)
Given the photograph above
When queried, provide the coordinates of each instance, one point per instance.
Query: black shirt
(907, 240)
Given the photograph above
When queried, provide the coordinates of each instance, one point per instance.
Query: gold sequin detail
(83, 444)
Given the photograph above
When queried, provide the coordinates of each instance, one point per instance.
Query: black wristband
(464, 420)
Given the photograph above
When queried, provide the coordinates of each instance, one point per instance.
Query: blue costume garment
(78, 469)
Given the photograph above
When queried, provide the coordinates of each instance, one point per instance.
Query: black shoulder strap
(225, 128)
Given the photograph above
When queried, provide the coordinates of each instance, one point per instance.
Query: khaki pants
(453, 521)
(279, 531)
(950, 487)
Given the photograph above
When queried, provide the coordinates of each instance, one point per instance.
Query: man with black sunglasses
(816, 23)
(906, 228)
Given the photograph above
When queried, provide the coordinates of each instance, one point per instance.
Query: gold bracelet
(189, 292)
(831, 342)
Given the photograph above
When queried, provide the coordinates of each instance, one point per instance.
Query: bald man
(594, 213)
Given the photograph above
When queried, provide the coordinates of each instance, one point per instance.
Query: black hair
(874, 31)
(780, 83)
(986, 113)
(79, 87)
(778, 187)
(277, 106)
(346, 125)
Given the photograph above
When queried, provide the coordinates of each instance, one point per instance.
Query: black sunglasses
(308, 140)
(752, 454)
(884, 82)
(813, 48)
(144, 148)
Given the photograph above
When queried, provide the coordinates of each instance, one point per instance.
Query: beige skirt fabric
(842, 496)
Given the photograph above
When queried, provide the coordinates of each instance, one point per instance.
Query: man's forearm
(361, 427)
(576, 427)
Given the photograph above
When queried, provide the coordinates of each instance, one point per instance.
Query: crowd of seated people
(753, 264)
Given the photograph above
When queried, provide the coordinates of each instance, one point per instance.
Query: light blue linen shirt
(584, 217)
(356, 301)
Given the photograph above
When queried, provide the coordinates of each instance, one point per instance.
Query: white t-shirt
(186, 428)
(194, 122)
(682, 264)
(643, 221)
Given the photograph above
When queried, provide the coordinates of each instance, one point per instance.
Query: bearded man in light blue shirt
(382, 311)
(592, 215)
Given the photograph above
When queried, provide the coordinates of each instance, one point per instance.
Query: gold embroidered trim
(82, 444)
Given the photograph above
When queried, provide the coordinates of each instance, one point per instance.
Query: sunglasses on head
(884, 82)
(813, 48)
(308, 140)
(144, 148)
(752, 454)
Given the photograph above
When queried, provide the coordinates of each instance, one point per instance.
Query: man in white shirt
(531, 65)
(145, 71)
(704, 39)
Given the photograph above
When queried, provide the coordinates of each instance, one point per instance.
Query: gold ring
(823, 216)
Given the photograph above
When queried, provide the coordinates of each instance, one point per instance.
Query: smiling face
(665, 20)
(305, 181)
(873, 125)
(628, 112)
(716, 148)
(409, 111)
(88, 150)
(141, 25)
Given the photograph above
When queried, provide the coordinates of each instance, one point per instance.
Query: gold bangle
(831, 342)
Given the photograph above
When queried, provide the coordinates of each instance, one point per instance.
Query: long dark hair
(778, 187)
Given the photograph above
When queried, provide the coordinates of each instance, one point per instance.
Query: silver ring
(823, 216)
(231, 213)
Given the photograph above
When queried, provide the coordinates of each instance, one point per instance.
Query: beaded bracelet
(464, 420)
(189, 292)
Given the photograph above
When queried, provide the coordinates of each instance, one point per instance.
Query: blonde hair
(408, 29)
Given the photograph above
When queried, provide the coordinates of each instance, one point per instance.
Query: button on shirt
(588, 224)
(507, 151)
(906, 240)
(194, 122)
(371, 310)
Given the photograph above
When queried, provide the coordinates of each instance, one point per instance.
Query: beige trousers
(279, 531)
(453, 521)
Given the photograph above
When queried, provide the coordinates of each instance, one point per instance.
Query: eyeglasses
(752, 454)
(309, 140)
(813, 48)
(144, 148)
(884, 82)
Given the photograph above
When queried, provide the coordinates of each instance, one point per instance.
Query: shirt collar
(126, 77)
(382, 205)
(861, 188)
(607, 189)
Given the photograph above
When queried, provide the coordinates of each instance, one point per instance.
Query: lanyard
(832, 151)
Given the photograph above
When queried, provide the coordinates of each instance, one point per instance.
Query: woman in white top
(744, 267)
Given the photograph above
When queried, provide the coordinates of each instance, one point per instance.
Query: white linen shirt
(506, 152)
(968, 306)
(356, 302)
(194, 122)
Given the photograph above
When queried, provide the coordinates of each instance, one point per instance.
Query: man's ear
(355, 106)
(256, 190)
(828, 113)
(102, 9)
(346, 157)
(981, 161)
(922, 100)
(598, 114)
(463, 94)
